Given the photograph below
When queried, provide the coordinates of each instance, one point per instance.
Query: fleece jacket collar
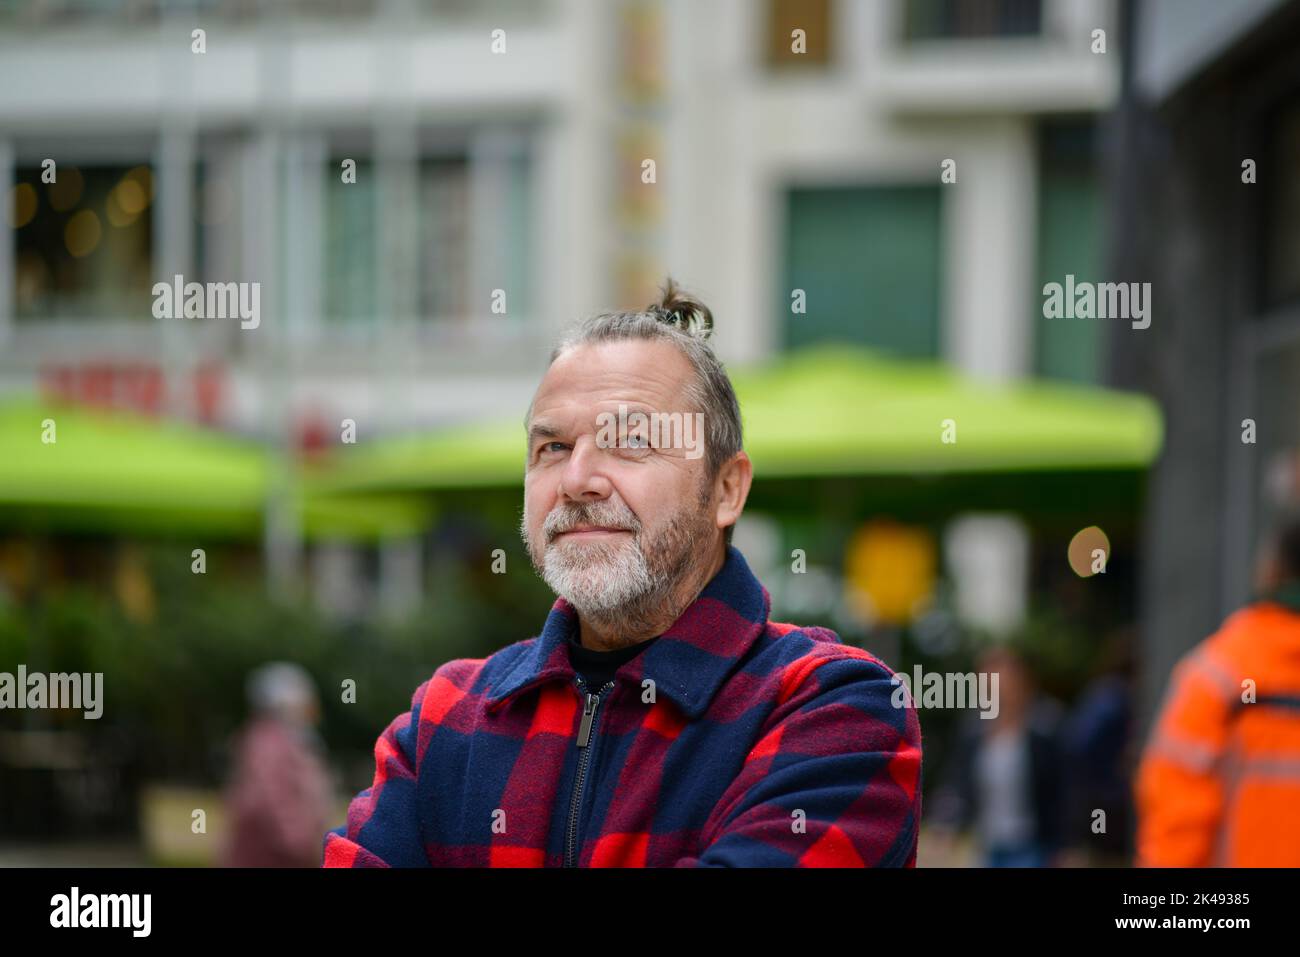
(688, 663)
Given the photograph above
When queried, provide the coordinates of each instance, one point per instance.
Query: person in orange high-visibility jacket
(1219, 780)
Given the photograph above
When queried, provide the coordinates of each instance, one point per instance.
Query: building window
(431, 236)
(867, 259)
(784, 17)
(217, 212)
(971, 19)
(1069, 242)
(350, 243)
(503, 229)
(444, 265)
(83, 244)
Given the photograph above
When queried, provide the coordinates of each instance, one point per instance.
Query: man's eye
(638, 441)
(546, 446)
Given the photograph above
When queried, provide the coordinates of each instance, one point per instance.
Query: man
(1219, 781)
(660, 718)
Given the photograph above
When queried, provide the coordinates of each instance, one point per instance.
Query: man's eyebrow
(540, 430)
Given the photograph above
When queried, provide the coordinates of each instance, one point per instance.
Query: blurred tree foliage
(174, 682)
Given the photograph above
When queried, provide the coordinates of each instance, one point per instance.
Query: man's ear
(732, 488)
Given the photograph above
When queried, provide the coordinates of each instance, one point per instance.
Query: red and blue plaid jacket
(732, 741)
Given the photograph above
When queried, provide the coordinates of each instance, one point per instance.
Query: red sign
(135, 386)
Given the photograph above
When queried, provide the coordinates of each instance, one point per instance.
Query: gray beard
(625, 585)
(599, 578)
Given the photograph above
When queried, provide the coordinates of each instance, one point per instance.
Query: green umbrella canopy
(113, 471)
(827, 411)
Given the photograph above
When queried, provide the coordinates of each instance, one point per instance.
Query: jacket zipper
(590, 703)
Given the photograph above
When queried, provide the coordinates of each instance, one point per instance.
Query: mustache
(559, 522)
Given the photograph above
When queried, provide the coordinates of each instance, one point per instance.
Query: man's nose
(584, 473)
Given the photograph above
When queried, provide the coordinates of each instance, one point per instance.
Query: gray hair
(687, 323)
(280, 688)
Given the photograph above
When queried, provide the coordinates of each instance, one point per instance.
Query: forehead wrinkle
(659, 379)
(587, 405)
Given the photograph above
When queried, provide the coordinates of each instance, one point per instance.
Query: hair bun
(682, 311)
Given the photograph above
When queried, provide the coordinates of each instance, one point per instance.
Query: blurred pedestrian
(1219, 781)
(278, 799)
(1099, 751)
(1004, 781)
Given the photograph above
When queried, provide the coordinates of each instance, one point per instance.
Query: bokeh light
(1085, 542)
(22, 206)
(31, 279)
(125, 203)
(142, 176)
(82, 234)
(131, 196)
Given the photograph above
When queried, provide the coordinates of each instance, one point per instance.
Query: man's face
(654, 502)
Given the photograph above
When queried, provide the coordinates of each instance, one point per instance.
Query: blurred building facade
(519, 163)
(514, 180)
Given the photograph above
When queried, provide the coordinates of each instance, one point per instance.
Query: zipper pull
(588, 712)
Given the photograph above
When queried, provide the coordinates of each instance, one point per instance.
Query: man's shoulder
(813, 646)
(812, 660)
(813, 674)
